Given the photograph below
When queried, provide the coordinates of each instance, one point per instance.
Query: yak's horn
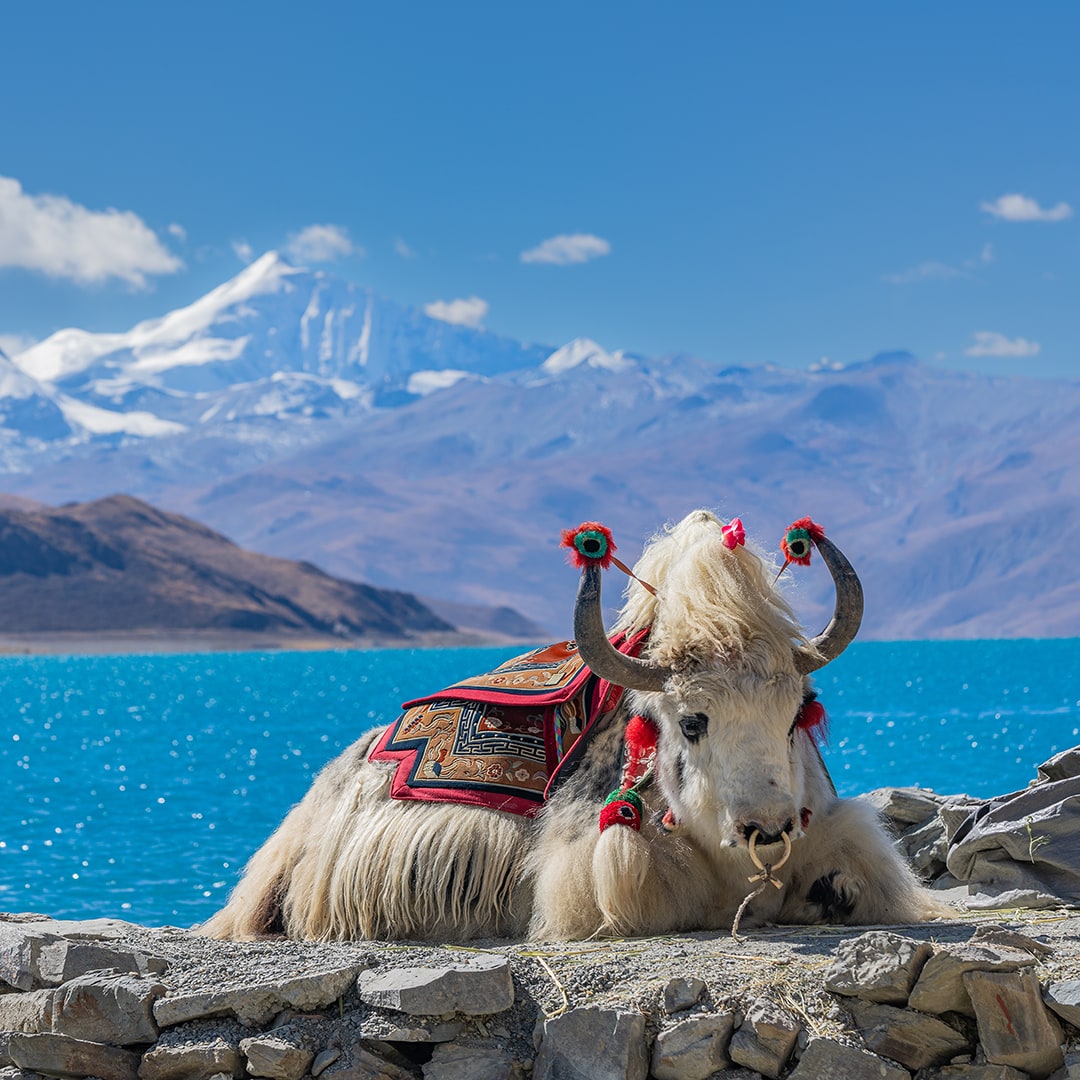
(847, 615)
(597, 651)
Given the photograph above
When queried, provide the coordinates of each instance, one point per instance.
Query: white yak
(737, 782)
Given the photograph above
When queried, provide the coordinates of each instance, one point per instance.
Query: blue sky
(748, 183)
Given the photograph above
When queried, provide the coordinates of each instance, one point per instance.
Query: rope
(764, 875)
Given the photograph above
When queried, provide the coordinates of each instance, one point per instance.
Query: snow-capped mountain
(275, 340)
(305, 417)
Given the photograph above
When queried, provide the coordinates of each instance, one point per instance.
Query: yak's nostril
(764, 836)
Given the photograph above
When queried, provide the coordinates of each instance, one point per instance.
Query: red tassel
(815, 530)
(640, 741)
(811, 718)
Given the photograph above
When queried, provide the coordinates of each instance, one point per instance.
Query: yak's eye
(693, 727)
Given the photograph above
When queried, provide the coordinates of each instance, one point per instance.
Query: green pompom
(631, 797)
(591, 543)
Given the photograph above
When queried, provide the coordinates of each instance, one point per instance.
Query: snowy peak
(204, 332)
(221, 359)
(584, 351)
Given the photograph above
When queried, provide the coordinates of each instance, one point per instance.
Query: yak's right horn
(847, 614)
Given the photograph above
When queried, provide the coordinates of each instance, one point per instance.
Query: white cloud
(468, 312)
(321, 243)
(991, 343)
(54, 236)
(927, 271)
(403, 249)
(178, 231)
(939, 271)
(1016, 207)
(243, 250)
(13, 344)
(566, 249)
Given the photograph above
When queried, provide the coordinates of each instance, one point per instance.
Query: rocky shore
(987, 995)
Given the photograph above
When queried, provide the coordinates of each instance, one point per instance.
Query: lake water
(137, 786)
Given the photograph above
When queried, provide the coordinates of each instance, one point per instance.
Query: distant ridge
(119, 566)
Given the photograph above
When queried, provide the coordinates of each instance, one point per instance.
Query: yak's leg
(847, 870)
(350, 862)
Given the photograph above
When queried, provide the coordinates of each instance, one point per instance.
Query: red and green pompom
(590, 542)
(622, 808)
(798, 543)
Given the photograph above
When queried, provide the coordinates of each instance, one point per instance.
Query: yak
(730, 787)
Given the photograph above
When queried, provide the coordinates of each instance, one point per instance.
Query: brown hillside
(119, 565)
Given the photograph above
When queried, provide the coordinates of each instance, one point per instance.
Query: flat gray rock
(912, 1038)
(682, 994)
(275, 1057)
(826, 1059)
(766, 1039)
(192, 1059)
(259, 1003)
(1015, 1027)
(112, 1008)
(60, 1055)
(478, 987)
(693, 1049)
(940, 988)
(877, 966)
(469, 1061)
(593, 1044)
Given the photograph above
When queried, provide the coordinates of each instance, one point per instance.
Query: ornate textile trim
(499, 739)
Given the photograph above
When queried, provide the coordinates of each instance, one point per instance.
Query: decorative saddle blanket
(501, 739)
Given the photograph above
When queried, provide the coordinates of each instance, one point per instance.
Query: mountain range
(307, 418)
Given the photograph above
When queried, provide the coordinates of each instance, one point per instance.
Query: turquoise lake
(137, 786)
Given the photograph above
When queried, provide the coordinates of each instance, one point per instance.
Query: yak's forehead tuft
(714, 604)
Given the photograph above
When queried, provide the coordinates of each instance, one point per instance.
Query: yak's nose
(766, 836)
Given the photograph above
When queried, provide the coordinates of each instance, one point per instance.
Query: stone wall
(118, 1002)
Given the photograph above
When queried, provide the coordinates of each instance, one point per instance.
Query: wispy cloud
(178, 231)
(933, 270)
(13, 344)
(991, 343)
(403, 249)
(243, 250)
(1016, 207)
(465, 312)
(321, 243)
(565, 249)
(52, 235)
(927, 271)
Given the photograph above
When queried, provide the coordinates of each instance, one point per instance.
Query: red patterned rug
(500, 739)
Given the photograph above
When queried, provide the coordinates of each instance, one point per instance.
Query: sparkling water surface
(137, 786)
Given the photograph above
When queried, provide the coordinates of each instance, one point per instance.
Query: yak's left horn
(847, 615)
(597, 651)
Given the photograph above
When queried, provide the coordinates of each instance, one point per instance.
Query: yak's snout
(765, 825)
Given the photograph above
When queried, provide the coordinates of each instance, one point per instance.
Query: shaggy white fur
(350, 862)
